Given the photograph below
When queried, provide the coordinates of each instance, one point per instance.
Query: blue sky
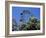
(17, 10)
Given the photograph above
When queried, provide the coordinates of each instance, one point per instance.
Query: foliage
(32, 24)
(14, 25)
